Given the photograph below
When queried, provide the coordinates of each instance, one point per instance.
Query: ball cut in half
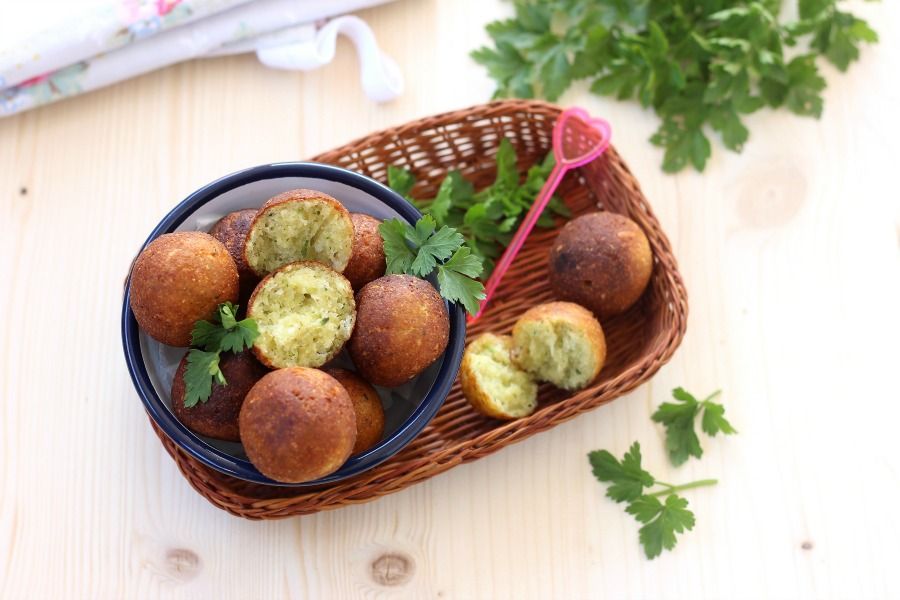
(559, 342)
(492, 383)
(299, 225)
(305, 312)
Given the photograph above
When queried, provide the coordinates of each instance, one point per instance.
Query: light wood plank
(790, 252)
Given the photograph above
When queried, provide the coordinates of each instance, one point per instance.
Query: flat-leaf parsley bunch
(662, 512)
(661, 519)
(698, 63)
(418, 250)
(486, 219)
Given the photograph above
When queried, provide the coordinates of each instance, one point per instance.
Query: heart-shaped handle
(578, 139)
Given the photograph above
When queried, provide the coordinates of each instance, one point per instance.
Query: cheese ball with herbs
(367, 261)
(366, 406)
(299, 225)
(217, 417)
(402, 326)
(179, 279)
(559, 342)
(297, 425)
(601, 261)
(493, 384)
(305, 313)
(232, 230)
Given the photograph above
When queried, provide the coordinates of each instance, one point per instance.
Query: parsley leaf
(202, 368)
(629, 479)
(400, 180)
(661, 520)
(419, 250)
(714, 419)
(207, 335)
(434, 246)
(456, 287)
(240, 336)
(678, 418)
(486, 219)
(697, 67)
(399, 255)
(225, 333)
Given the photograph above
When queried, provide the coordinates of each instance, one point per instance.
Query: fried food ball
(559, 342)
(402, 326)
(367, 261)
(305, 313)
(297, 425)
(601, 261)
(366, 405)
(232, 230)
(179, 279)
(493, 384)
(218, 416)
(299, 225)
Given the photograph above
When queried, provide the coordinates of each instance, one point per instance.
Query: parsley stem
(671, 489)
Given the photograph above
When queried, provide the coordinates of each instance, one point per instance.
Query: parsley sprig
(699, 65)
(661, 519)
(419, 250)
(486, 219)
(225, 333)
(679, 417)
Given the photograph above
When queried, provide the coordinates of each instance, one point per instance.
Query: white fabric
(285, 34)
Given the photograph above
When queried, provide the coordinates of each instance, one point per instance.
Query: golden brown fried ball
(297, 424)
(218, 416)
(402, 326)
(601, 261)
(179, 279)
(366, 405)
(232, 230)
(367, 261)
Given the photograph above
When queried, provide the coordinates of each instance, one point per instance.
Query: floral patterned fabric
(117, 39)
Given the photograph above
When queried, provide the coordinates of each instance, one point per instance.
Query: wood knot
(807, 545)
(771, 196)
(392, 569)
(23, 191)
(182, 564)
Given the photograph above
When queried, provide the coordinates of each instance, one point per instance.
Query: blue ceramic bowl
(408, 409)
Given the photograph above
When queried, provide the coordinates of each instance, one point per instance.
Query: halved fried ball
(559, 342)
(179, 279)
(493, 384)
(299, 225)
(601, 261)
(305, 313)
(218, 416)
(367, 261)
(402, 326)
(297, 425)
(232, 230)
(366, 405)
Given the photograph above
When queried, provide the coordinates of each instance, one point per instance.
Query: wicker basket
(639, 342)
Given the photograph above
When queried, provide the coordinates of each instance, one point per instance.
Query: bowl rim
(243, 469)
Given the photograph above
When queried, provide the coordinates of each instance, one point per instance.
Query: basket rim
(385, 479)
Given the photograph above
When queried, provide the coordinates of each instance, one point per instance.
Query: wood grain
(790, 253)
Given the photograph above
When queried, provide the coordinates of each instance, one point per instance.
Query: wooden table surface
(789, 251)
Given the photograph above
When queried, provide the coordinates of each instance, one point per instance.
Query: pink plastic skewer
(563, 165)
